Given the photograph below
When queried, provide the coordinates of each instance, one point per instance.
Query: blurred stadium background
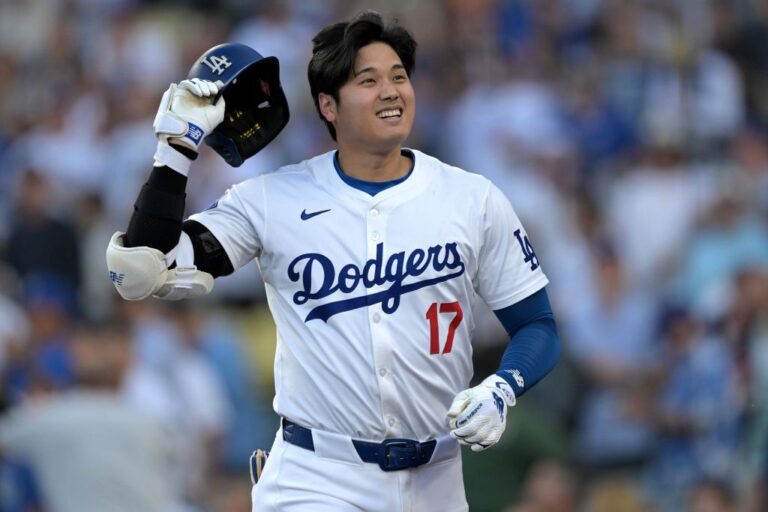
(631, 137)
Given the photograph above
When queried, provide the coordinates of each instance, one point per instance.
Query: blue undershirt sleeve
(534, 346)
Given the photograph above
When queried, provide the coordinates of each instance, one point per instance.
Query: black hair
(335, 48)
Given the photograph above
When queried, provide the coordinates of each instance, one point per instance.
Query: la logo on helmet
(216, 63)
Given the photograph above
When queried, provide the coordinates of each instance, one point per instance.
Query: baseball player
(373, 256)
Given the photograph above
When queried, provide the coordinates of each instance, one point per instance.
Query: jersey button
(374, 212)
(382, 371)
(391, 421)
(376, 317)
(375, 236)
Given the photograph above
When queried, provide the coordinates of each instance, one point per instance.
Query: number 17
(434, 328)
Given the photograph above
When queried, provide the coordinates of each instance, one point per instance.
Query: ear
(327, 106)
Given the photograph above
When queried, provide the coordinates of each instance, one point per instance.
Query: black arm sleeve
(157, 222)
(158, 211)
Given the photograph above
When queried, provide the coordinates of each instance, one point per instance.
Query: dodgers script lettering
(397, 269)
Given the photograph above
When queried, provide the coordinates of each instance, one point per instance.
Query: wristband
(166, 156)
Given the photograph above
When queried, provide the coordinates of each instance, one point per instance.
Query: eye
(400, 78)
(367, 81)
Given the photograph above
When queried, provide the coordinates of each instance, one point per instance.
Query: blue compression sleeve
(534, 347)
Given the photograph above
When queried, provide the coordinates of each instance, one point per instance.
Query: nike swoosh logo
(307, 216)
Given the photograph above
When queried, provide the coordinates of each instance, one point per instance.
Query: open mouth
(389, 113)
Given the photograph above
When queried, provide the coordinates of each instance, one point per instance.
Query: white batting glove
(477, 417)
(185, 116)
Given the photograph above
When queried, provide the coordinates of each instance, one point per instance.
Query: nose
(388, 91)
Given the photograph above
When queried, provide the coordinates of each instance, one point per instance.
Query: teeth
(389, 113)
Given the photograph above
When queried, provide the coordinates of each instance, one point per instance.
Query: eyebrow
(372, 68)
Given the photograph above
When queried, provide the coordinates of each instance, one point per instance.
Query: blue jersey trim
(372, 187)
(534, 347)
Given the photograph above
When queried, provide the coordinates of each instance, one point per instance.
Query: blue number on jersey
(528, 252)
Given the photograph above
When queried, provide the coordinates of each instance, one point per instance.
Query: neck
(375, 167)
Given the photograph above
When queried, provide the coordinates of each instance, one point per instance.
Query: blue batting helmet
(256, 109)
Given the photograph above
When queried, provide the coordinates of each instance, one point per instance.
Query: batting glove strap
(477, 416)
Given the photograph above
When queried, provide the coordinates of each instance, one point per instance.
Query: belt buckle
(406, 454)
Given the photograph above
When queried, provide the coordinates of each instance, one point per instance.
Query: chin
(379, 140)
(396, 137)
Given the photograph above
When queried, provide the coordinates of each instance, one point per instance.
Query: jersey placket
(378, 321)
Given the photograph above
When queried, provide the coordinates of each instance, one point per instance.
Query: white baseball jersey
(373, 295)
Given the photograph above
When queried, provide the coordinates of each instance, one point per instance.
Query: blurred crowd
(630, 135)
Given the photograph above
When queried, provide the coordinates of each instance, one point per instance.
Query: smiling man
(373, 256)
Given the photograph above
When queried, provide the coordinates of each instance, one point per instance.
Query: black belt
(390, 455)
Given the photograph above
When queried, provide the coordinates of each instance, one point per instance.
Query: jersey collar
(413, 183)
(372, 187)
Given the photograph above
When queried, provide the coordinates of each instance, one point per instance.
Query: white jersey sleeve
(508, 269)
(237, 221)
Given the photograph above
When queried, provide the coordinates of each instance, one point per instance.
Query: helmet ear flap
(226, 147)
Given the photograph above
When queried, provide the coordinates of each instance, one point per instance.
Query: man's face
(377, 105)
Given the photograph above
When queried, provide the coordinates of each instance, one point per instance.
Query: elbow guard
(140, 272)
